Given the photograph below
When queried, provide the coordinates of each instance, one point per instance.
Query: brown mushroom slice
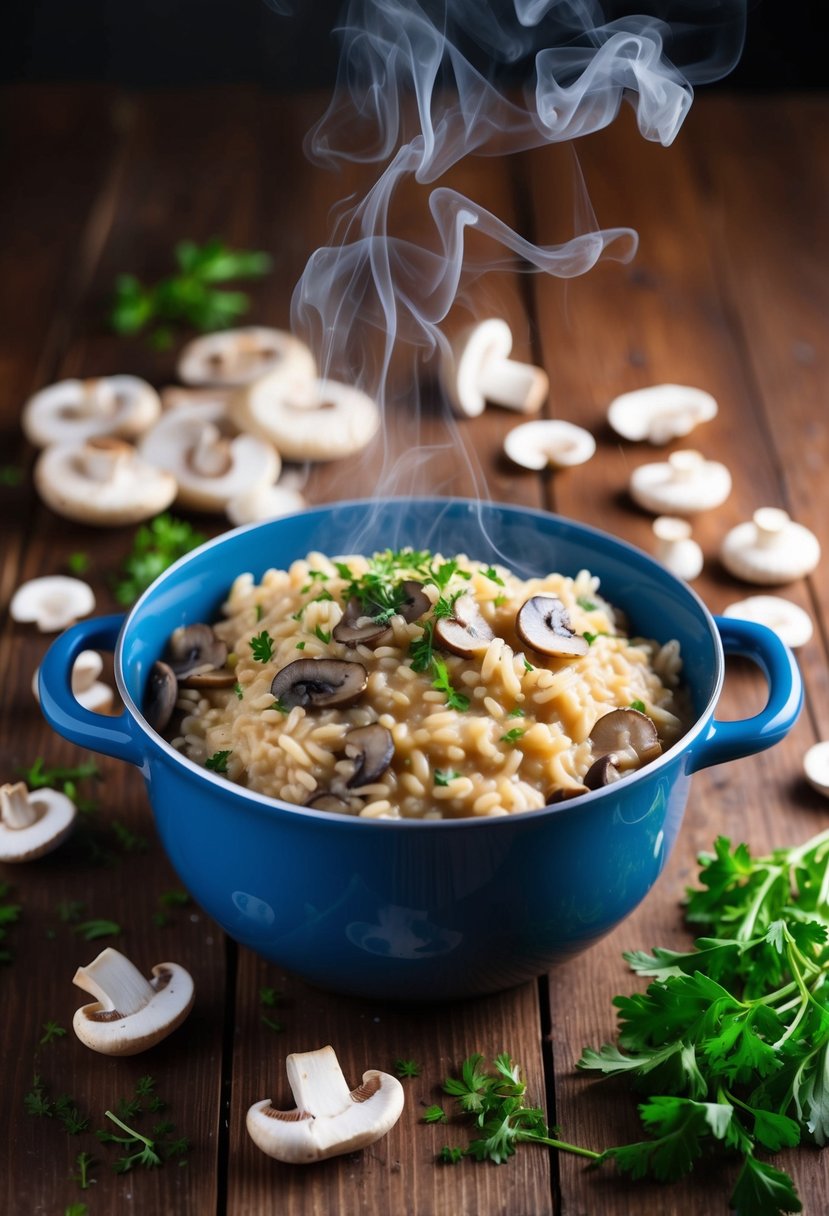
(542, 624)
(371, 748)
(195, 649)
(319, 683)
(602, 772)
(562, 795)
(465, 632)
(220, 677)
(416, 602)
(357, 626)
(626, 731)
(160, 696)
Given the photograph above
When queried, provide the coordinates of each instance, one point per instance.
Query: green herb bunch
(156, 546)
(190, 296)
(730, 1041)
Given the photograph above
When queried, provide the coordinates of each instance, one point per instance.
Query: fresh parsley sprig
(188, 297)
(156, 546)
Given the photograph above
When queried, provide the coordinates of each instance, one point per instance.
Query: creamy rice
(524, 735)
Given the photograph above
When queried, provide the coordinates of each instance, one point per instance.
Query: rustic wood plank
(400, 1174)
(669, 317)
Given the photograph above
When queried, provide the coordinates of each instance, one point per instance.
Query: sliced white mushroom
(770, 548)
(130, 1013)
(329, 1118)
(52, 602)
(816, 767)
(661, 412)
(479, 370)
(789, 621)
(87, 689)
(307, 420)
(32, 824)
(675, 549)
(74, 410)
(102, 481)
(238, 356)
(681, 485)
(535, 445)
(210, 466)
(266, 502)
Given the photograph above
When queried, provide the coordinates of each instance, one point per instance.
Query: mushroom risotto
(408, 685)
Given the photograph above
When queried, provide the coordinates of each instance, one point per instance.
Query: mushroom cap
(55, 815)
(319, 682)
(52, 602)
(106, 1030)
(210, 468)
(102, 480)
(329, 1119)
(73, 410)
(543, 624)
(628, 733)
(466, 632)
(661, 412)
(160, 695)
(553, 442)
(602, 772)
(265, 502)
(771, 548)
(816, 767)
(789, 621)
(478, 370)
(675, 549)
(238, 356)
(681, 485)
(307, 420)
(371, 748)
(195, 649)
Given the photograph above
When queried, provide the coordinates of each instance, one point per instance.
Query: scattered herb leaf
(492, 574)
(51, 1031)
(586, 603)
(444, 776)
(407, 1068)
(434, 1114)
(640, 705)
(92, 930)
(442, 683)
(323, 634)
(240, 692)
(512, 736)
(261, 646)
(156, 545)
(217, 763)
(77, 563)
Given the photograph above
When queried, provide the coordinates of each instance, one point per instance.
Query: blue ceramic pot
(420, 910)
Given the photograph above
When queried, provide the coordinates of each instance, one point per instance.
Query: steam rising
(420, 86)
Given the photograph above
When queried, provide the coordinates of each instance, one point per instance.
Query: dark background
(142, 43)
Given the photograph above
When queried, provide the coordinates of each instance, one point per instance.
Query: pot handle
(111, 735)
(732, 740)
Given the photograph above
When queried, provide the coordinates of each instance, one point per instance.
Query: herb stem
(561, 1145)
(131, 1132)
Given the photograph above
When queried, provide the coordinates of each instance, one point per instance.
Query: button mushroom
(329, 1118)
(771, 548)
(816, 767)
(87, 689)
(307, 420)
(358, 625)
(789, 621)
(319, 683)
(160, 696)
(479, 370)
(195, 649)
(683, 484)
(52, 602)
(265, 502)
(549, 442)
(74, 410)
(602, 772)
(465, 633)
(238, 356)
(628, 733)
(32, 824)
(210, 467)
(675, 548)
(543, 625)
(371, 748)
(103, 481)
(661, 412)
(130, 1013)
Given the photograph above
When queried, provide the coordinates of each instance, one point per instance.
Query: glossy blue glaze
(420, 910)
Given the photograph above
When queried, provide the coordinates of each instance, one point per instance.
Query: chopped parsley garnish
(217, 763)
(442, 683)
(259, 613)
(445, 605)
(518, 712)
(240, 692)
(261, 646)
(156, 546)
(420, 649)
(300, 646)
(492, 574)
(281, 707)
(512, 736)
(443, 777)
(640, 705)
(528, 665)
(587, 604)
(589, 637)
(324, 635)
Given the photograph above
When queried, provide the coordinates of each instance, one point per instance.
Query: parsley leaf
(512, 736)
(92, 930)
(407, 1068)
(261, 646)
(51, 1030)
(217, 763)
(444, 776)
(442, 683)
(156, 546)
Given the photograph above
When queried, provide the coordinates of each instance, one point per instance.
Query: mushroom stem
(97, 399)
(209, 457)
(770, 523)
(114, 981)
(16, 811)
(685, 464)
(103, 458)
(516, 386)
(317, 1082)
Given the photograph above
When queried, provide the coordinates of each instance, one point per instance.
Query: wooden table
(728, 292)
